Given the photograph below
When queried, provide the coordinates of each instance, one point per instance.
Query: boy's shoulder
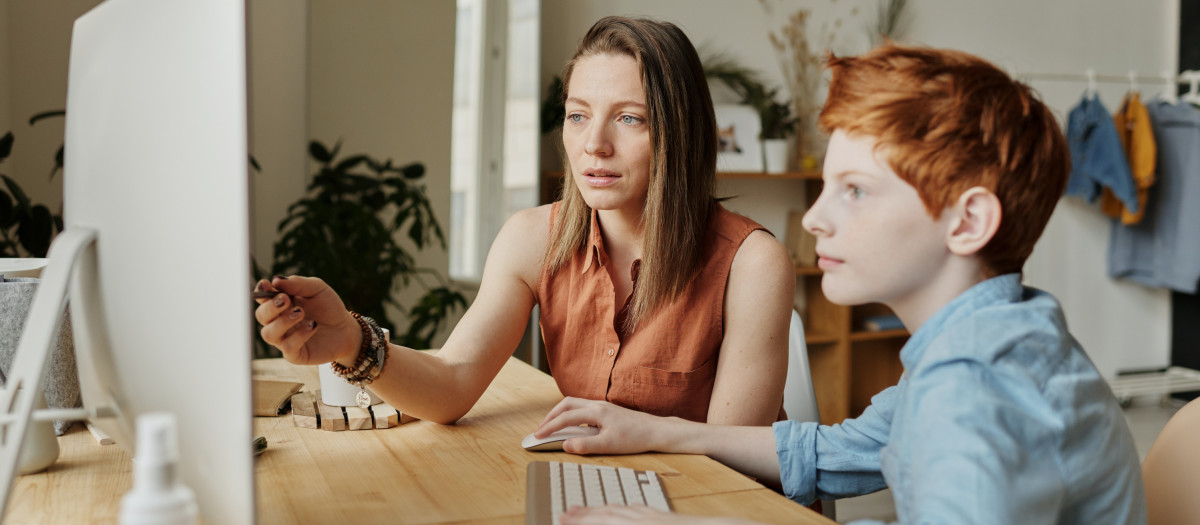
(1025, 335)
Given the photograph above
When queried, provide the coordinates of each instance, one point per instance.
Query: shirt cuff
(796, 446)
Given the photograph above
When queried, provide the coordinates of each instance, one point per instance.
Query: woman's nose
(598, 143)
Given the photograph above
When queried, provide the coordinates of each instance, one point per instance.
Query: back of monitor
(156, 246)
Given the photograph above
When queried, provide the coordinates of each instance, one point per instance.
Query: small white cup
(336, 392)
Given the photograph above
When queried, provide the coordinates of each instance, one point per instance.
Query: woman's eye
(630, 120)
(575, 118)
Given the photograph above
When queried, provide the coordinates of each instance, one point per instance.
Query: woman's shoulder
(732, 225)
(521, 242)
(528, 228)
(531, 217)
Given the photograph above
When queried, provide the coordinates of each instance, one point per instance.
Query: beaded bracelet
(369, 364)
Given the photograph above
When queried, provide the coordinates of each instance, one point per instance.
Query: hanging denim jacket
(1097, 157)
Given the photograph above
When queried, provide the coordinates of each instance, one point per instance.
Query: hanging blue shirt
(1162, 250)
(999, 418)
(1097, 158)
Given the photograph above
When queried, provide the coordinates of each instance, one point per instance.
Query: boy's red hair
(949, 121)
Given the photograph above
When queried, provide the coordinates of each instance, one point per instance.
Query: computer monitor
(156, 243)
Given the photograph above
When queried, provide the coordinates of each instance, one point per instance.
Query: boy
(940, 176)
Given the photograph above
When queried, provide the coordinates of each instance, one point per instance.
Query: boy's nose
(814, 221)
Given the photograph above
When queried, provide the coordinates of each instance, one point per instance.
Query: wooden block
(304, 410)
(385, 415)
(332, 418)
(405, 418)
(358, 418)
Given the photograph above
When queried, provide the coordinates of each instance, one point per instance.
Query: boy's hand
(622, 431)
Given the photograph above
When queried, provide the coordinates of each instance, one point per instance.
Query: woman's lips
(599, 178)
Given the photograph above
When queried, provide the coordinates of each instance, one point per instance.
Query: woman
(643, 279)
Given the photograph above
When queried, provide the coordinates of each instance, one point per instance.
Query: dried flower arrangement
(801, 67)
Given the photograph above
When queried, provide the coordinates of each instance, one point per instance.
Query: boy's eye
(855, 192)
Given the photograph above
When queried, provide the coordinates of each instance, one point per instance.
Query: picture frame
(738, 145)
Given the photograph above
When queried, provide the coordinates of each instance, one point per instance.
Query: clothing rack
(1169, 81)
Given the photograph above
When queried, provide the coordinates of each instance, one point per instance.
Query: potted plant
(776, 117)
(26, 229)
(350, 230)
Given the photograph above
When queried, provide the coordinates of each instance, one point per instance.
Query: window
(494, 149)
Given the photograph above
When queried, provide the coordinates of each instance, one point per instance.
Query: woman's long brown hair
(683, 134)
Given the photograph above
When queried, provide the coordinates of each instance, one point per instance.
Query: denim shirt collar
(1005, 288)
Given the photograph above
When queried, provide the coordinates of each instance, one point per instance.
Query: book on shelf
(882, 323)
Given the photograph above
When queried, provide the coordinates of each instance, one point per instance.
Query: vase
(60, 381)
(775, 155)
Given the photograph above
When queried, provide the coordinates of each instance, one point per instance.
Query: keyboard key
(572, 486)
(612, 487)
(591, 486)
(629, 482)
(557, 507)
(653, 493)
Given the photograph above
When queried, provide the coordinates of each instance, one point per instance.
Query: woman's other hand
(307, 321)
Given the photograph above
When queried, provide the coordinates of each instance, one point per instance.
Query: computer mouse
(555, 440)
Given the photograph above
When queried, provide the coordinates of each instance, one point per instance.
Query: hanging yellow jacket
(1137, 138)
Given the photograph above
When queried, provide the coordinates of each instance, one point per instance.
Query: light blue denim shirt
(999, 418)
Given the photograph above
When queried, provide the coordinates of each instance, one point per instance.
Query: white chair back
(799, 400)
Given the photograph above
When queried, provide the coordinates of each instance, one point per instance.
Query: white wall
(380, 77)
(35, 42)
(1121, 325)
(278, 75)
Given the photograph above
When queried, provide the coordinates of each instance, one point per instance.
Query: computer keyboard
(554, 487)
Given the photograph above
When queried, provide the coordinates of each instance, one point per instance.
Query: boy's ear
(976, 217)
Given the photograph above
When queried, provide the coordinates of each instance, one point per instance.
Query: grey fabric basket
(61, 380)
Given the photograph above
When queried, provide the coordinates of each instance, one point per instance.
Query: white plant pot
(775, 155)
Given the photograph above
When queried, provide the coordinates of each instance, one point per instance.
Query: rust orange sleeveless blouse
(667, 365)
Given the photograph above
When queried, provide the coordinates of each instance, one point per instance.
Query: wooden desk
(418, 472)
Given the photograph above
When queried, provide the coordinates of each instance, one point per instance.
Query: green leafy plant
(26, 229)
(348, 229)
(776, 117)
